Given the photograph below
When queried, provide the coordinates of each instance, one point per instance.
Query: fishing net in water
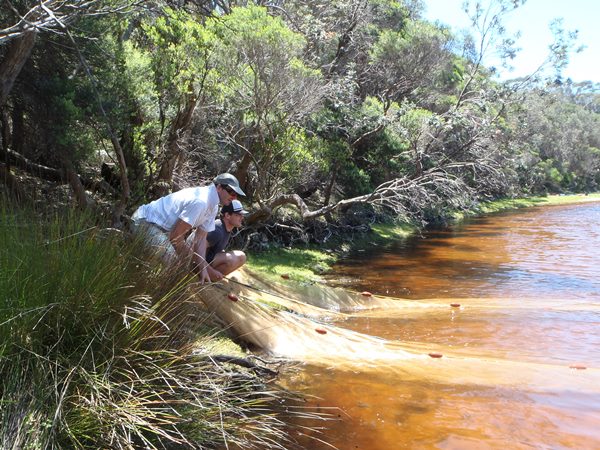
(306, 324)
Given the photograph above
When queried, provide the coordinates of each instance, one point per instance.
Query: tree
(267, 92)
(181, 53)
(21, 22)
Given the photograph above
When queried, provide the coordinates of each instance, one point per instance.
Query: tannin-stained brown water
(528, 285)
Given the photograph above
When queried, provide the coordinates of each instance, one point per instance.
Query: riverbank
(81, 298)
(310, 263)
(103, 347)
(550, 200)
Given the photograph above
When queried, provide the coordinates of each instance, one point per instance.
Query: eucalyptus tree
(433, 114)
(176, 60)
(471, 141)
(378, 59)
(22, 20)
(266, 93)
(557, 142)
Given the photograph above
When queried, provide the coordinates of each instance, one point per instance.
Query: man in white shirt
(167, 222)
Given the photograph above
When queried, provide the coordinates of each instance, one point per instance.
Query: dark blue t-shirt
(216, 240)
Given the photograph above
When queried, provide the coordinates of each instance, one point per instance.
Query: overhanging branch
(401, 195)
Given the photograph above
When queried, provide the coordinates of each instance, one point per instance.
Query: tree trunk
(329, 189)
(418, 164)
(17, 54)
(180, 129)
(47, 173)
(119, 208)
(50, 173)
(5, 134)
(241, 171)
(83, 201)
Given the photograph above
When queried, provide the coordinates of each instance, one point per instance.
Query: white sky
(533, 20)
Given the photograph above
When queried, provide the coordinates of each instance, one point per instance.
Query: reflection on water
(529, 291)
(517, 255)
(378, 411)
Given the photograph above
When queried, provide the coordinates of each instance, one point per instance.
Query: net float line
(288, 334)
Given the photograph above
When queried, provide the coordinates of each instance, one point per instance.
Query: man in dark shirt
(223, 262)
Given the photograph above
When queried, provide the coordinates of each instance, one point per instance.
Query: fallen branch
(401, 195)
(52, 174)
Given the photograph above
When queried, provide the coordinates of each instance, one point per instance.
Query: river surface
(521, 354)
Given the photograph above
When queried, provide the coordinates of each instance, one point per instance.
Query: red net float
(321, 331)
(366, 294)
(455, 305)
(231, 296)
(435, 355)
(577, 366)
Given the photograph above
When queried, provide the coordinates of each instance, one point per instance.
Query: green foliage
(254, 51)
(300, 154)
(180, 49)
(138, 70)
(265, 93)
(339, 159)
(339, 95)
(559, 139)
(408, 62)
(389, 14)
(67, 135)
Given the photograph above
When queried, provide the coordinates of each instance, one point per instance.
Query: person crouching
(221, 262)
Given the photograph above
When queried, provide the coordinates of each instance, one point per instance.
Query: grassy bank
(100, 349)
(551, 200)
(309, 263)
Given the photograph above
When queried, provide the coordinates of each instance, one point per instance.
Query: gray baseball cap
(229, 180)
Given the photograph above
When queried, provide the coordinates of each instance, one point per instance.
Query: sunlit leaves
(259, 61)
(139, 72)
(181, 49)
(403, 61)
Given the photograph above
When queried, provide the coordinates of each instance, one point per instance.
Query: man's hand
(215, 275)
(204, 277)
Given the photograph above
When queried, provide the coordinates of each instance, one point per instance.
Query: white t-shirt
(197, 206)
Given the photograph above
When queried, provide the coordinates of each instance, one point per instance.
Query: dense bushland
(317, 107)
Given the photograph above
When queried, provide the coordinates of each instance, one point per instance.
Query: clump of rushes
(96, 350)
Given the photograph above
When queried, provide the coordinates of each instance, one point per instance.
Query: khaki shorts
(155, 238)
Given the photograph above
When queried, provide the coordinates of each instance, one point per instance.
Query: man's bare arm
(199, 257)
(178, 236)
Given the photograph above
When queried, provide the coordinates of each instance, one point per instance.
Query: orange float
(577, 366)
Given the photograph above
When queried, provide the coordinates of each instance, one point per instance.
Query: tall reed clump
(94, 350)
